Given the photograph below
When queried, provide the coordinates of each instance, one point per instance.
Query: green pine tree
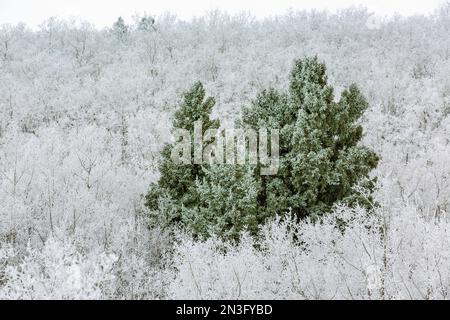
(321, 159)
(176, 188)
(227, 202)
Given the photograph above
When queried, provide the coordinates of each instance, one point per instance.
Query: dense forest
(85, 114)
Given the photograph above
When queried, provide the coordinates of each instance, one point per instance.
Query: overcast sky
(104, 12)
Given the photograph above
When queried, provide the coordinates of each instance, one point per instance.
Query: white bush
(57, 271)
(381, 256)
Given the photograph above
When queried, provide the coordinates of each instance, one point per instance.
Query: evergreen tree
(320, 162)
(227, 202)
(176, 188)
(320, 158)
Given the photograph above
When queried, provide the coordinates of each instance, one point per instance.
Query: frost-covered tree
(227, 202)
(146, 23)
(321, 159)
(176, 188)
(120, 29)
(206, 198)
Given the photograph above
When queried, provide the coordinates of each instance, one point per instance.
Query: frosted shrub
(419, 257)
(57, 271)
(378, 256)
(290, 261)
(142, 270)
